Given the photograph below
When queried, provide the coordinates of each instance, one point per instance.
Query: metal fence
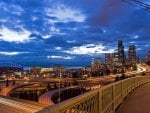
(104, 100)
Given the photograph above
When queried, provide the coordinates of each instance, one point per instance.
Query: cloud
(58, 48)
(132, 42)
(89, 49)
(136, 37)
(62, 13)
(34, 18)
(14, 36)
(11, 53)
(55, 31)
(71, 41)
(60, 57)
(3, 20)
(11, 8)
(69, 31)
(15, 9)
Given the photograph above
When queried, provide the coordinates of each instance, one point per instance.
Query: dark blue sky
(69, 32)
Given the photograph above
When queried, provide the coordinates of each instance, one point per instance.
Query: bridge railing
(104, 100)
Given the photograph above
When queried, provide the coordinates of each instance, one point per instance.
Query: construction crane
(139, 4)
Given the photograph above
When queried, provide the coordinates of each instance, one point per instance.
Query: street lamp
(60, 74)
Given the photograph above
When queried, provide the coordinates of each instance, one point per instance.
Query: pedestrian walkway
(137, 102)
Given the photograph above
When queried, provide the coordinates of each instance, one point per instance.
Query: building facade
(132, 58)
(108, 59)
(121, 54)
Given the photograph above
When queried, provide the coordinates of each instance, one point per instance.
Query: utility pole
(138, 3)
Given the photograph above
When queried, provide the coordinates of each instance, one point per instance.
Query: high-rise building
(98, 63)
(132, 58)
(115, 59)
(92, 64)
(147, 58)
(95, 64)
(121, 54)
(108, 59)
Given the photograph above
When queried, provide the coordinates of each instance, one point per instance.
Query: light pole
(60, 74)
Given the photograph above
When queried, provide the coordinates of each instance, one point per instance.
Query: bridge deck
(9, 105)
(137, 102)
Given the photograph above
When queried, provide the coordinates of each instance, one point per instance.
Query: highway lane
(140, 69)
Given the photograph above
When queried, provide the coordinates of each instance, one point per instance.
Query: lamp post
(60, 74)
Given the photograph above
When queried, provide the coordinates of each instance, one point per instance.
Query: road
(140, 69)
(14, 106)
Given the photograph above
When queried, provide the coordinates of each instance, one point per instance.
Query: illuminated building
(121, 54)
(115, 59)
(147, 58)
(108, 59)
(132, 58)
(10, 67)
(96, 65)
(92, 62)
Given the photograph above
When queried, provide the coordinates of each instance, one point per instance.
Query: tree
(117, 78)
(7, 83)
(14, 82)
(123, 76)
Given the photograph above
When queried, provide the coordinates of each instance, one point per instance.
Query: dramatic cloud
(62, 13)
(90, 49)
(13, 36)
(69, 32)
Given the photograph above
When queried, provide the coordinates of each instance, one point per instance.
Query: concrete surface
(137, 102)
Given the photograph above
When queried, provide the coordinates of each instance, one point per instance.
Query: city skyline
(71, 32)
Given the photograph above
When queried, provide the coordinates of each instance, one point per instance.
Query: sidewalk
(137, 102)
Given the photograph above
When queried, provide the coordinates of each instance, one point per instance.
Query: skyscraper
(132, 58)
(108, 59)
(147, 58)
(98, 63)
(115, 59)
(121, 55)
(92, 64)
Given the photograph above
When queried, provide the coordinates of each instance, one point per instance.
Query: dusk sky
(69, 32)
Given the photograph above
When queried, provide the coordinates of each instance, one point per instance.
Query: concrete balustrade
(103, 100)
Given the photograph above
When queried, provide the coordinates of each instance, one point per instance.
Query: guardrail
(104, 100)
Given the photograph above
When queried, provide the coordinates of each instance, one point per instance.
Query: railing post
(113, 97)
(121, 90)
(100, 101)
